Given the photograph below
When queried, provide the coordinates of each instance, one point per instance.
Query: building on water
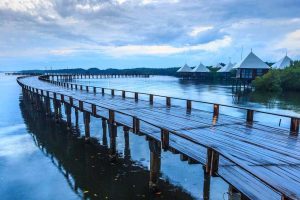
(185, 71)
(283, 63)
(200, 72)
(226, 71)
(250, 67)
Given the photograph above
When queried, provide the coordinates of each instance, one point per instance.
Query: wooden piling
(155, 164)
(86, 118)
(165, 139)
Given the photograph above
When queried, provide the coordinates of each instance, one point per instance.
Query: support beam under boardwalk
(155, 163)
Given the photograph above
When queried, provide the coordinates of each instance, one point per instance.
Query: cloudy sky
(144, 33)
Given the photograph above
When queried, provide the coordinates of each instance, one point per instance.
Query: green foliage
(287, 79)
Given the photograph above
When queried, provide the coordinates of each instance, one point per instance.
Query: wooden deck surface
(272, 154)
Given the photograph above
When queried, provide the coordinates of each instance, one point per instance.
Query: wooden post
(136, 125)
(95, 90)
(80, 87)
(112, 92)
(94, 109)
(212, 162)
(136, 96)
(87, 88)
(206, 185)
(111, 114)
(86, 118)
(71, 101)
(102, 90)
(294, 128)
(62, 98)
(123, 94)
(155, 164)
(127, 145)
(168, 101)
(151, 98)
(216, 110)
(76, 117)
(68, 113)
(250, 116)
(112, 136)
(80, 105)
(165, 139)
(104, 128)
(188, 105)
(76, 87)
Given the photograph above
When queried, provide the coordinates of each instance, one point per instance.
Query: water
(40, 159)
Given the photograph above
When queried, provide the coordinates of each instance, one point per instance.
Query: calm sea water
(40, 159)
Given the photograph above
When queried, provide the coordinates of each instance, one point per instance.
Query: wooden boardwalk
(260, 161)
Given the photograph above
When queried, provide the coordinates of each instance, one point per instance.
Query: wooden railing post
(87, 88)
(80, 87)
(164, 139)
(136, 96)
(216, 110)
(102, 91)
(112, 92)
(123, 94)
(250, 116)
(168, 101)
(294, 128)
(188, 105)
(94, 89)
(151, 98)
(62, 98)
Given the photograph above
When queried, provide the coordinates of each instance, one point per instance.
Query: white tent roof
(218, 65)
(282, 63)
(185, 68)
(251, 62)
(226, 68)
(200, 68)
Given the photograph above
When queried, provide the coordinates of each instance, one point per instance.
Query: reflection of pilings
(87, 119)
(127, 145)
(104, 128)
(233, 193)
(56, 105)
(112, 129)
(206, 185)
(155, 157)
(68, 114)
(76, 117)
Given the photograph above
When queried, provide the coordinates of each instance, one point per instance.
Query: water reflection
(87, 166)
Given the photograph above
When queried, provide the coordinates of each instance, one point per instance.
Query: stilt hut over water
(185, 71)
(250, 67)
(282, 63)
(225, 72)
(200, 72)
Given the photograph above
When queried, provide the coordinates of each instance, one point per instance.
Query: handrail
(295, 120)
(223, 154)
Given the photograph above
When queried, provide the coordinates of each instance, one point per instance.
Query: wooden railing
(250, 113)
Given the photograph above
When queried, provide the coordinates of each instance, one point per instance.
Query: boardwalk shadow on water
(87, 167)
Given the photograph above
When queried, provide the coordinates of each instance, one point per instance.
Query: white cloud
(199, 29)
(157, 50)
(291, 42)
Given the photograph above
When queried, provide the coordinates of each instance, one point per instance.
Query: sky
(44, 34)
